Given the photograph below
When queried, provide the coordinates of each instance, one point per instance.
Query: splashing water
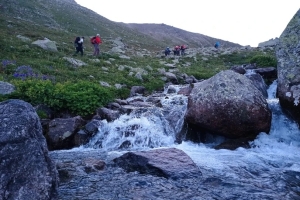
(273, 159)
(144, 128)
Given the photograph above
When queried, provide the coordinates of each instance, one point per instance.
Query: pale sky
(246, 22)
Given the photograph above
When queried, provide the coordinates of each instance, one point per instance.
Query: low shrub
(264, 60)
(81, 98)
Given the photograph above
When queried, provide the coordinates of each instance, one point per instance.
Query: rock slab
(169, 163)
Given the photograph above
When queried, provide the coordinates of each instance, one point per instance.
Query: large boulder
(27, 172)
(288, 68)
(46, 44)
(228, 104)
(169, 163)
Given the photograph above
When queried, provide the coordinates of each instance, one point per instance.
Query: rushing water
(270, 167)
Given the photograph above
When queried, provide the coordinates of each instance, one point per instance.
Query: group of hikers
(180, 49)
(95, 41)
(177, 50)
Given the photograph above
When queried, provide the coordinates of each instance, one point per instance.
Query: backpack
(77, 39)
(93, 40)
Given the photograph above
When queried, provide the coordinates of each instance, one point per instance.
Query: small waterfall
(283, 129)
(147, 127)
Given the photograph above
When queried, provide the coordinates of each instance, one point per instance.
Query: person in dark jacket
(167, 51)
(176, 50)
(78, 43)
(182, 49)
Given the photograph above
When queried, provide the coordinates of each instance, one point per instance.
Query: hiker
(167, 51)
(96, 41)
(78, 43)
(217, 45)
(182, 49)
(176, 50)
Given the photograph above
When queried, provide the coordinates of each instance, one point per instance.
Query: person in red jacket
(96, 41)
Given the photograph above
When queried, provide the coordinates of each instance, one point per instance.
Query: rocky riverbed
(92, 175)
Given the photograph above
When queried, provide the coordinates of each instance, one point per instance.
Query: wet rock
(233, 144)
(27, 171)
(170, 163)
(171, 89)
(186, 90)
(135, 90)
(108, 114)
(171, 77)
(121, 102)
(114, 106)
(190, 79)
(238, 69)
(259, 83)
(250, 66)
(62, 131)
(89, 130)
(267, 72)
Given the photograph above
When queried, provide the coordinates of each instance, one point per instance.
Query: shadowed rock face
(27, 172)
(228, 104)
(288, 56)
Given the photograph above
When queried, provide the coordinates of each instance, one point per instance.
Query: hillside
(50, 77)
(174, 36)
(62, 20)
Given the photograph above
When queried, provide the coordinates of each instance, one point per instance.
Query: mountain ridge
(178, 36)
(70, 19)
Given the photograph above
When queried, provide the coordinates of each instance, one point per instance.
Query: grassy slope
(61, 22)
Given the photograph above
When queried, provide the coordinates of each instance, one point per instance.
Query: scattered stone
(6, 88)
(95, 60)
(46, 44)
(105, 84)
(124, 57)
(75, 62)
(23, 38)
